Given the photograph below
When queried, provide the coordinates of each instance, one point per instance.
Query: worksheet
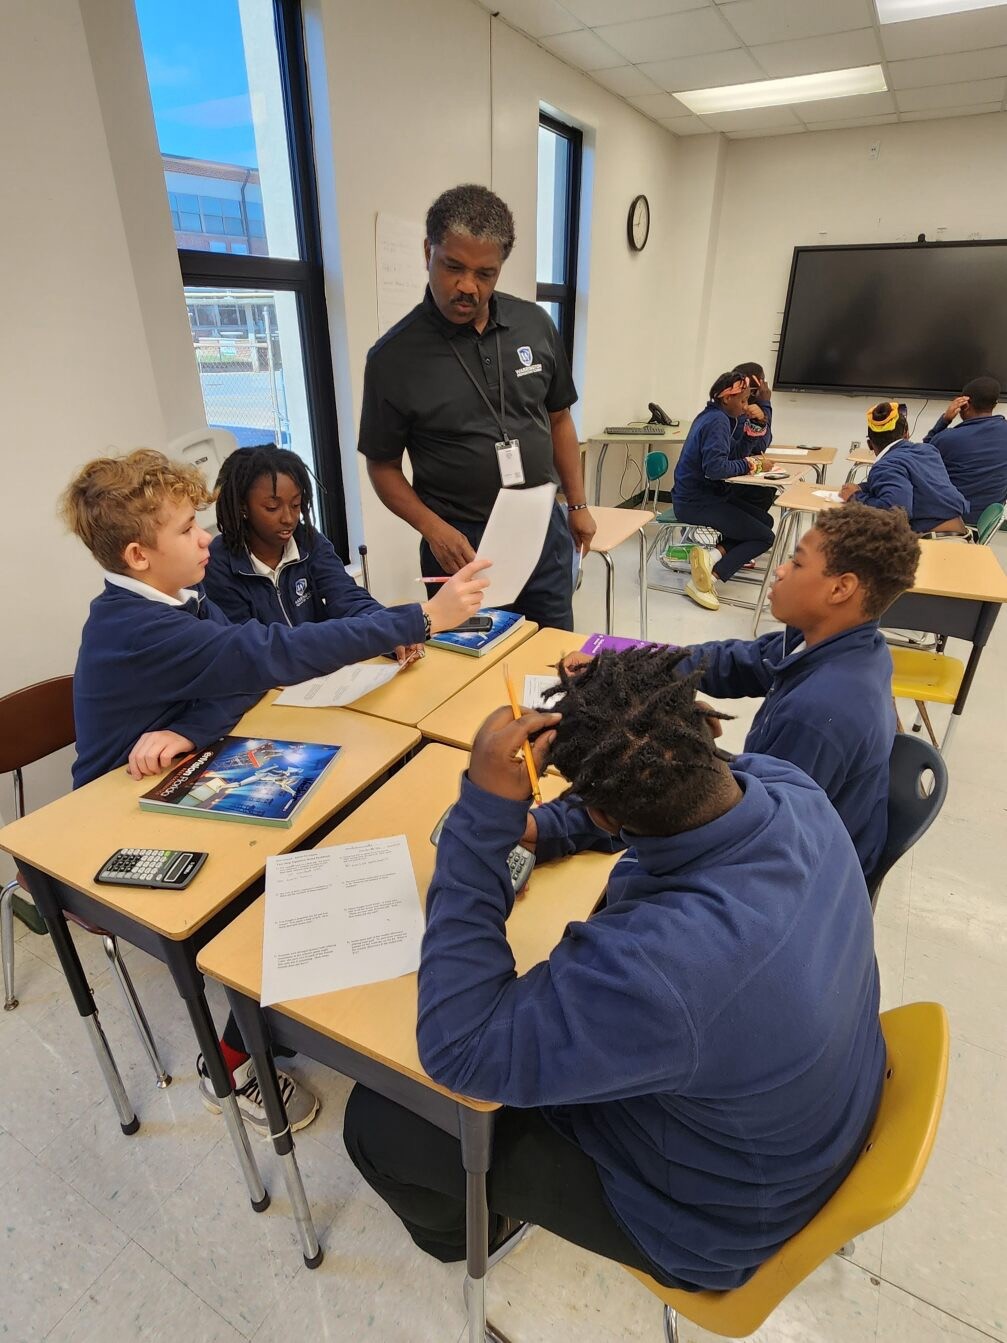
(339, 687)
(534, 692)
(513, 540)
(338, 917)
(832, 496)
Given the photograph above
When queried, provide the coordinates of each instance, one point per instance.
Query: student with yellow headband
(710, 457)
(908, 475)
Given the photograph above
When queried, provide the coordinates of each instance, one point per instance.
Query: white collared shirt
(888, 449)
(290, 556)
(145, 590)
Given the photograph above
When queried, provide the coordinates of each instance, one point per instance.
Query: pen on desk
(529, 759)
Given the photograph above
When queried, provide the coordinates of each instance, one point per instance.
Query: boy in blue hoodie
(974, 452)
(712, 454)
(161, 671)
(269, 562)
(692, 1073)
(908, 475)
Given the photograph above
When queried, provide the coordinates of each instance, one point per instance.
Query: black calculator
(160, 869)
(520, 861)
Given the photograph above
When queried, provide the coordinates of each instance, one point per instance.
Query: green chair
(989, 520)
(655, 465)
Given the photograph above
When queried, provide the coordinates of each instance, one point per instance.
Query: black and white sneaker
(300, 1103)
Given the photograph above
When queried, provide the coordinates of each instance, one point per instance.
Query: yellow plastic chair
(923, 677)
(882, 1181)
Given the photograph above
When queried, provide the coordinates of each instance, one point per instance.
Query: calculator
(160, 869)
(520, 861)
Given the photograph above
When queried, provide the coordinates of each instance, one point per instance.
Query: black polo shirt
(418, 399)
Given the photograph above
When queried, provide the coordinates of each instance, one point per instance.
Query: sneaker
(701, 586)
(301, 1104)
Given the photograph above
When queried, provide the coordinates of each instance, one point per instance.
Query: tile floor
(151, 1238)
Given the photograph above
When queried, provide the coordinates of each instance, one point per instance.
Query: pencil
(432, 580)
(529, 759)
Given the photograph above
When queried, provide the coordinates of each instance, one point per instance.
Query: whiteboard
(401, 273)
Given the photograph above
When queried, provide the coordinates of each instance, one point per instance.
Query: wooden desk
(819, 458)
(664, 436)
(458, 721)
(419, 690)
(616, 525)
(759, 478)
(60, 847)
(800, 498)
(958, 593)
(369, 1032)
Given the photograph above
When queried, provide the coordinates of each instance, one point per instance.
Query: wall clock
(638, 223)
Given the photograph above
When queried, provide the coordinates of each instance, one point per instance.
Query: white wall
(400, 114)
(824, 187)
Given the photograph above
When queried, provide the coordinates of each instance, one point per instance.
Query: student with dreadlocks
(693, 1071)
(269, 562)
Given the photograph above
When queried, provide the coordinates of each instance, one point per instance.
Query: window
(559, 152)
(241, 194)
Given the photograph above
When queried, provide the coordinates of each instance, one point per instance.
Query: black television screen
(911, 319)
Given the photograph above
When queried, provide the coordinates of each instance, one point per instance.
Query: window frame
(565, 293)
(304, 278)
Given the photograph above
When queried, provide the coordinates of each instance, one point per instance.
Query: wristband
(575, 508)
(428, 628)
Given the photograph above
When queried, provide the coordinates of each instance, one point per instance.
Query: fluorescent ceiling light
(899, 11)
(777, 92)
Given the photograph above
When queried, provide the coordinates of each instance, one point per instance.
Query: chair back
(36, 721)
(881, 1182)
(912, 809)
(656, 465)
(989, 520)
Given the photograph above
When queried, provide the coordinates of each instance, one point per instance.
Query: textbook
(243, 779)
(612, 643)
(476, 644)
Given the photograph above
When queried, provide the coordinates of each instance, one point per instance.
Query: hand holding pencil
(504, 760)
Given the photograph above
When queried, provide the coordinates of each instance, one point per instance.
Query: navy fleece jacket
(710, 455)
(314, 587)
(144, 666)
(827, 709)
(912, 476)
(710, 1037)
(975, 457)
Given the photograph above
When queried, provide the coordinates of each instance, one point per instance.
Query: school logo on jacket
(301, 592)
(525, 355)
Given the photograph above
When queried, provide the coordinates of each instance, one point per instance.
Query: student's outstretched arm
(734, 668)
(888, 489)
(597, 1021)
(207, 720)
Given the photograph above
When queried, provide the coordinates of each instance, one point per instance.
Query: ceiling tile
(627, 81)
(703, 72)
(957, 67)
(970, 94)
(674, 35)
(840, 109)
(764, 132)
(596, 12)
(537, 18)
(583, 49)
(687, 126)
(885, 119)
(970, 31)
(760, 21)
(753, 118)
(660, 105)
(936, 113)
(809, 55)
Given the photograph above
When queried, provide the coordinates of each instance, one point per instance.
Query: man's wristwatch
(575, 508)
(428, 628)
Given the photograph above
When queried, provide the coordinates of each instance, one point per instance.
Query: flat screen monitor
(906, 319)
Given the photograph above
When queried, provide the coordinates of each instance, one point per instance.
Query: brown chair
(34, 723)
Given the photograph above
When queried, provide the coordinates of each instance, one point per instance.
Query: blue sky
(198, 84)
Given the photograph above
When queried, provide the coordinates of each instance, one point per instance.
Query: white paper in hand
(513, 540)
(339, 687)
(339, 917)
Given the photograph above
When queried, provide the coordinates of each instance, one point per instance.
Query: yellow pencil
(529, 759)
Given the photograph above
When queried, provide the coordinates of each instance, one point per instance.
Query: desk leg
(477, 1146)
(775, 557)
(597, 472)
(643, 585)
(987, 619)
(820, 473)
(223, 1086)
(255, 1033)
(49, 907)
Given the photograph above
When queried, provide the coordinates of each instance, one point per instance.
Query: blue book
(243, 779)
(476, 644)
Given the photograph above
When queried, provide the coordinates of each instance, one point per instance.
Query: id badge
(509, 462)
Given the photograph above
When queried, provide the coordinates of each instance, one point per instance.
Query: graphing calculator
(159, 869)
(520, 860)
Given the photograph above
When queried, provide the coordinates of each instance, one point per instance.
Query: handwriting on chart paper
(339, 917)
(401, 274)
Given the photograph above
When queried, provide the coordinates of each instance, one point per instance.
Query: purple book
(612, 643)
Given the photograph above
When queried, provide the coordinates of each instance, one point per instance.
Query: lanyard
(500, 419)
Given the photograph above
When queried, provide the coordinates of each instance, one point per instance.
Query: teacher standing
(476, 387)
